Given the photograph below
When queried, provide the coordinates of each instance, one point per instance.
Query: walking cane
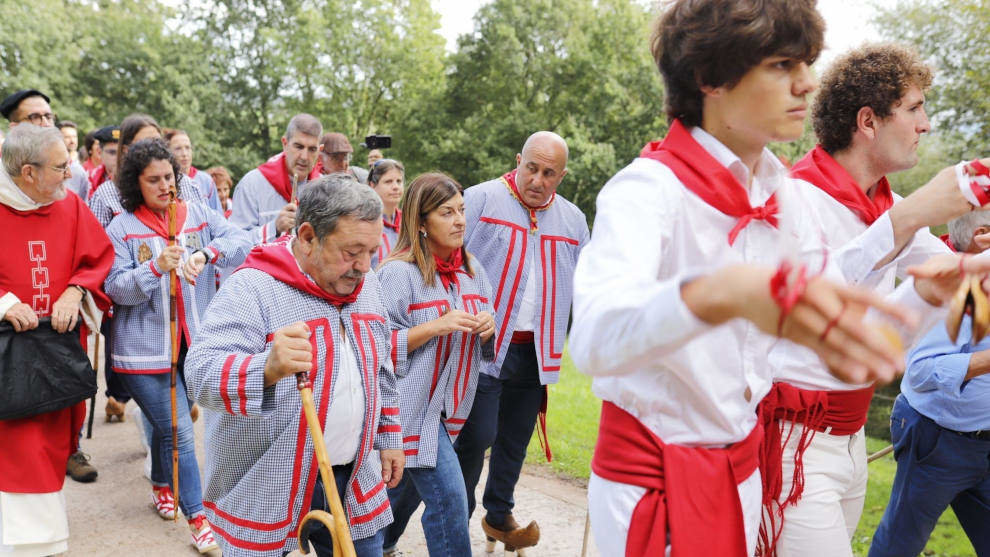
(295, 189)
(173, 280)
(336, 520)
(880, 454)
(92, 400)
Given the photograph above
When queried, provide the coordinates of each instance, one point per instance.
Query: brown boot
(79, 468)
(115, 408)
(510, 534)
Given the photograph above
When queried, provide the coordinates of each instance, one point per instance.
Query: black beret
(10, 103)
(107, 134)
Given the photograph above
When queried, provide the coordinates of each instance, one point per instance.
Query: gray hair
(28, 144)
(961, 229)
(304, 123)
(328, 198)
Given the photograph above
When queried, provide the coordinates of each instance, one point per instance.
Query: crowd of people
(735, 314)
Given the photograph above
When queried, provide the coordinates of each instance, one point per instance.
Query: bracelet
(975, 188)
(81, 290)
(786, 293)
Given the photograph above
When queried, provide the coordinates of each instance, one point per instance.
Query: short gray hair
(961, 229)
(328, 198)
(27, 144)
(304, 123)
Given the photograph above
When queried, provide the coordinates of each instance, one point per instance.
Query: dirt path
(114, 516)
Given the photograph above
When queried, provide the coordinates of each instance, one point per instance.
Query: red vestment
(46, 250)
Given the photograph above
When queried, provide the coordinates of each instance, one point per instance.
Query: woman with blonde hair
(438, 300)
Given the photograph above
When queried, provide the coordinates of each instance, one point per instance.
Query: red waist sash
(522, 337)
(699, 506)
(837, 412)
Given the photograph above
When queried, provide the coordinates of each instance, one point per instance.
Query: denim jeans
(503, 417)
(936, 468)
(151, 393)
(320, 540)
(445, 520)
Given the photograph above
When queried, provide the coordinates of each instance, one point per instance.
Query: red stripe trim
(244, 523)
(269, 337)
(138, 236)
(410, 439)
(410, 452)
(363, 497)
(216, 254)
(154, 269)
(456, 420)
(243, 544)
(389, 429)
(242, 384)
(395, 349)
(141, 371)
(197, 229)
(224, 378)
(370, 516)
(388, 411)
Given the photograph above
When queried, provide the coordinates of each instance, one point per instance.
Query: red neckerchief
(96, 179)
(276, 259)
(192, 172)
(159, 223)
(510, 182)
(277, 174)
(948, 241)
(708, 179)
(448, 269)
(819, 168)
(394, 225)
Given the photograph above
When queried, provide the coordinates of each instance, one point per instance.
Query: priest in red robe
(56, 257)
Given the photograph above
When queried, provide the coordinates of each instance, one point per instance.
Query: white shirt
(690, 383)
(800, 366)
(345, 418)
(526, 318)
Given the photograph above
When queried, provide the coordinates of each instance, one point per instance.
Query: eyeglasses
(61, 169)
(37, 118)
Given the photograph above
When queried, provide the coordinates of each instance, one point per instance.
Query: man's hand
(393, 462)
(286, 219)
(827, 318)
(65, 312)
(193, 267)
(22, 317)
(291, 353)
(169, 258)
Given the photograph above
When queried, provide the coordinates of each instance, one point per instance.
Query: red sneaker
(164, 501)
(202, 534)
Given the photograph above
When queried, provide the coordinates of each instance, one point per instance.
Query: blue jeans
(445, 520)
(151, 393)
(936, 468)
(320, 540)
(503, 417)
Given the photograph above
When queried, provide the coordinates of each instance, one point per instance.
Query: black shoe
(79, 468)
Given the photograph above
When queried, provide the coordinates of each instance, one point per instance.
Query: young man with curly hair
(869, 117)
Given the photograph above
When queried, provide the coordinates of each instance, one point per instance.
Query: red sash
(820, 169)
(708, 179)
(844, 412)
(699, 505)
(276, 259)
(277, 174)
(96, 178)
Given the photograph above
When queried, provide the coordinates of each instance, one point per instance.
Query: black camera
(377, 142)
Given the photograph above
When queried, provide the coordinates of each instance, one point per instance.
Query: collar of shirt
(769, 170)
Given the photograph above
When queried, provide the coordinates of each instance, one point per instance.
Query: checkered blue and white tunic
(105, 203)
(140, 291)
(260, 465)
(437, 381)
(389, 238)
(498, 235)
(207, 189)
(256, 206)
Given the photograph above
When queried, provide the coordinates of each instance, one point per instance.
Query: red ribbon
(447, 270)
(510, 181)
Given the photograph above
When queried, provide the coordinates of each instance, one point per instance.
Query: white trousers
(33, 524)
(823, 522)
(611, 505)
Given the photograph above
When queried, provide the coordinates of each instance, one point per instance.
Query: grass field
(572, 423)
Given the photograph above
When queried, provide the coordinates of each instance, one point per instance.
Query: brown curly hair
(873, 75)
(715, 42)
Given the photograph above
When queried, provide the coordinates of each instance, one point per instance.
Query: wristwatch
(82, 290)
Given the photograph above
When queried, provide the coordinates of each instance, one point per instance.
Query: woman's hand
(193, 267)
(485, 325)
(169, 258)
(453, 321)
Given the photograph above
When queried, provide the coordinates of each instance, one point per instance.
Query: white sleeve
(623, 314)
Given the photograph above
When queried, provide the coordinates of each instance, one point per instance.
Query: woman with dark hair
(386, 177)
(138, 285)
(181, 146)
(438, 300)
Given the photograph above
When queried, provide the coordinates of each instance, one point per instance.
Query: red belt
(786, 406)
(522, 337)
(699, 505)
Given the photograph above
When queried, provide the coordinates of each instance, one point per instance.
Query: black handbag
(42, 371)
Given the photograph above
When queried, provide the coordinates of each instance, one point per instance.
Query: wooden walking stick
(336, 519)
(295, 189)
(173, 282)
(92, 400)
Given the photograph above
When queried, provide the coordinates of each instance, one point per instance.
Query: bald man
(528, 239)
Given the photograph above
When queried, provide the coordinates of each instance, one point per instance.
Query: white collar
(769, 169)
(15, 198)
